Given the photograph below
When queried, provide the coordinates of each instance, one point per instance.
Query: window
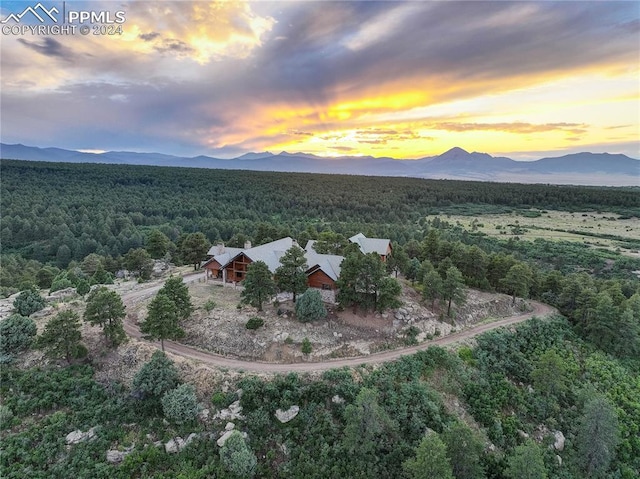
(326, 286)
(239, 274)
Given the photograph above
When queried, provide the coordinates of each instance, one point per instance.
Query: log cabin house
(323, 270)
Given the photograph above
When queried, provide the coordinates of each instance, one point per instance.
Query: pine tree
(157, 244)
(258, 285)
(430, 460)
(194, 249)
(105, 309)
(464, 450)
(526, 463)
(291, 275)
(598, 436)
(61, 337)
(177, 291)
(162, 320)
(518, 281)
(433, 287)
(453, 289)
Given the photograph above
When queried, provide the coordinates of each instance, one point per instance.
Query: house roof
(328, 263)
(371, 245)
(270, 253)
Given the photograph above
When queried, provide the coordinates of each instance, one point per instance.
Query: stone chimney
(247, 245)
(220, 248)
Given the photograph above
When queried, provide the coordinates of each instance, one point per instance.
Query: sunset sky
(400, 79)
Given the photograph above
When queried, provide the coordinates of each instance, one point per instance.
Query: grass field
(600, 230)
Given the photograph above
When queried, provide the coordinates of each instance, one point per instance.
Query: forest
(492, 409)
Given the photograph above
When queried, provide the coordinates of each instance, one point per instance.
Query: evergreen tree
(194, 249)
(105, 309)
(16, 335)
(598, 436)
(368, 433)
(259, 285)
(389, 291)
(518, 281)
(398, 261)
(413, 270)
(139, 262)
(163, 320)
(464, 450)
(430, 460)
(453, 289)
(157, 244)
(433, 287)
(28, 302)
(180, 405)
(237, 458)
(83, 287)
(156, 377)
(526, 463)
(61, 337)
(177, 291)
(310, 306)
(291, 275)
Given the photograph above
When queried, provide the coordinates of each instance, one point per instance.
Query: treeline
(541, 403)
(108, 209)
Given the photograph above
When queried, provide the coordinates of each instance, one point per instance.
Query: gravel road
(216, 360)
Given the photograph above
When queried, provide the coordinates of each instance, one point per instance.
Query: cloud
(222, 76)
(49, 47)
(515, 127)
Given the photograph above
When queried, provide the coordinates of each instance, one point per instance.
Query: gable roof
(269, 253)
(328, 263)
(371, 245)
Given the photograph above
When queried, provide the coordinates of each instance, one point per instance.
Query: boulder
(230, 426)
(220, 442)
(337, 400)
(558, 445)
(115, 457)
(77, 436)
(288, 415)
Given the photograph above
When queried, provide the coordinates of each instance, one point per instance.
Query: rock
(523, 434)
(558, 445)
(403, 311)
(230, 426)
(398, 316)
(337, 400)
(203, 415)
(115, 457)
(232, 413)
(220, 442)
(385, 316)
(174, 445)
(77, 436)
(288, 415)
(177, 444)
(559, 459)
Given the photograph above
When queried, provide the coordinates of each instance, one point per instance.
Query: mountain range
(603, 169)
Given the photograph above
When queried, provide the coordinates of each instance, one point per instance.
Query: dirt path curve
(212, 359)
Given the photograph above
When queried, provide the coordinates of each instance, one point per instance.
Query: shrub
(16, 334)
(237, 457)
(83, 287)
(411, 335)
(156, 377)
(210, 305)
(306, 346)
(309, 306)
(28, 302)
(180, 405)
(254, 323)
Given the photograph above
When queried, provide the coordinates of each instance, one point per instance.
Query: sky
(380, 78)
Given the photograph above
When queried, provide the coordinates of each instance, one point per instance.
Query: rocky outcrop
(232, 413)
(558, 444)
(288, 415)
(177, 444)
(115, 456)
(77, 436)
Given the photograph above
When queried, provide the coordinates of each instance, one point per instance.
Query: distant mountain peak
(456, 150)
(255, 156)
